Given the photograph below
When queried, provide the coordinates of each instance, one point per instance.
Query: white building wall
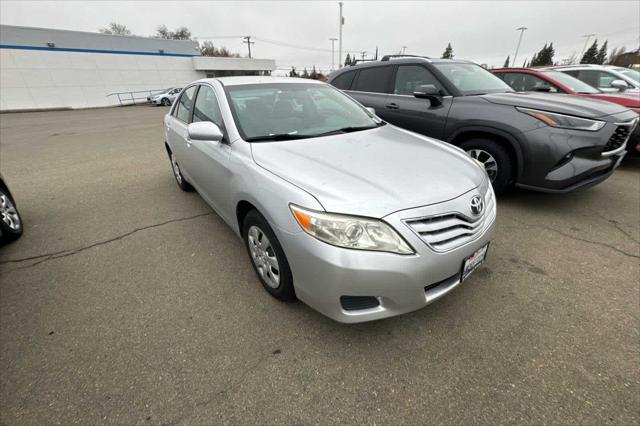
(33, 79)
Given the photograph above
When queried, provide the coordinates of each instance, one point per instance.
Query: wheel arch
(504, 138)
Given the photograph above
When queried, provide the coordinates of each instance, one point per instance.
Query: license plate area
(473, 262)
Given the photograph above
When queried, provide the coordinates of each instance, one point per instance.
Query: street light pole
(522, 30)
(333, 66)
(340, 36)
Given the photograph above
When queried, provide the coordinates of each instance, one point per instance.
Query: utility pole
(404, 48)
(340, 36)
(333, 66)
(587, 36)
(362, 54)
(522, 30)
(247, 40)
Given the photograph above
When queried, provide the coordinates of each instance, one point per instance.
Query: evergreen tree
(544, 56)
(448, 52)
(347, 60)
(506, 62)
(305, 74)
(534, 60)
(601, 57)
(591, 55)
(293, 72)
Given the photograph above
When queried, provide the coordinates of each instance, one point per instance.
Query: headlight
(350, 231)
(564, 121)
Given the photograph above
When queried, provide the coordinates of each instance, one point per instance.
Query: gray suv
(541, 141)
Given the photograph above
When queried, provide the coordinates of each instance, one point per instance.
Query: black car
(541, 141)
(10, 222)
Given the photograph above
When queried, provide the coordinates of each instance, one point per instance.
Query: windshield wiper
(350, 129)
(278, 137)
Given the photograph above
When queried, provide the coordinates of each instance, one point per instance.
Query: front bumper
(561, 160)
(322, 273)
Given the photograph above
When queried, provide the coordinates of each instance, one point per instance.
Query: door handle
(392, 105)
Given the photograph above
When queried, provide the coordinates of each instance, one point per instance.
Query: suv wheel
(495, 159)
(10, 222)
(267, 257)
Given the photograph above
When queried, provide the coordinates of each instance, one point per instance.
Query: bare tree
(182, 33)
(115, 28)
(208, 49)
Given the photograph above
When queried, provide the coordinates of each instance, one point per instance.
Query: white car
(165, 97)
(608, 78)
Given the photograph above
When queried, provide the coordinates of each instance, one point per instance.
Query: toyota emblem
(477, 205)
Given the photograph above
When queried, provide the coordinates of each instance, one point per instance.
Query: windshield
(295, 111)
(572, 83)
(628, 72)
(472, 79)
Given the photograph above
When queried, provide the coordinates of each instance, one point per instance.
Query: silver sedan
(357, 218)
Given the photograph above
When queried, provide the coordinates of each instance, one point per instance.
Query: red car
(551, 81)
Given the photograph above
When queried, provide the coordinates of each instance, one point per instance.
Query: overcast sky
(481, 31)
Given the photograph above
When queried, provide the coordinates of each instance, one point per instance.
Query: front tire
(165, 102)
(10, 221)
(496, 160)
(267, 257)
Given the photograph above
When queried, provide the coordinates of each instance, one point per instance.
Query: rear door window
(185, 105)
(375, 80)
(343, 81)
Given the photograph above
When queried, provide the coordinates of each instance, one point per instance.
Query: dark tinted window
(343, 81)
(513, 79)
(409, 77)
(185, 104)
(373, 80)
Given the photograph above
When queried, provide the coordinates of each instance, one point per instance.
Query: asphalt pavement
(128, 301)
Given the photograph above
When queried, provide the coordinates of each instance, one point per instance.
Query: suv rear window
(374, 79)
(343, 81)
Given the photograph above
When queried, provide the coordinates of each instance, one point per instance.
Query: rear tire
(267, 257)
(177, 174)
(498, 164)
(11, 223)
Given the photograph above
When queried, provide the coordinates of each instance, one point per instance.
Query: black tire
(284, 290)
(165, 102)
(501, 179)
(177, 174)
(11, 224)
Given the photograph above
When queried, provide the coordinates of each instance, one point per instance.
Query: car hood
(373, 172)
(563, 104)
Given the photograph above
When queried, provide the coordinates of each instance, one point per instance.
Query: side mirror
(371, 110)
(621, 85)
(428, 91)
(204, 131)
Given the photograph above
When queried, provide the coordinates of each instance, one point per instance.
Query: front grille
(448, 231)
(619, 137)
(355, 303)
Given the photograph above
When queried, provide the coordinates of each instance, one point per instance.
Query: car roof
(254, 79)
(404, 60)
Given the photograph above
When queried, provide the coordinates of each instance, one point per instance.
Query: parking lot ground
(128, 301)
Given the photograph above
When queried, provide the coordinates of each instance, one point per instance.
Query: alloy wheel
(176, 168)
(263, 256)
(490, 163)
(8, 213)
